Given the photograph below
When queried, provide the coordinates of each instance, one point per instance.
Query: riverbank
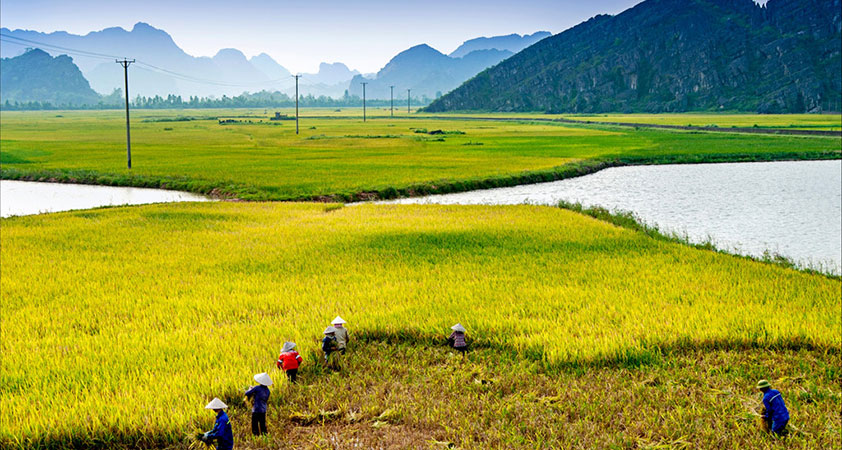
(348, 160)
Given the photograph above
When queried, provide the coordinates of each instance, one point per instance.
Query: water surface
(22, 198)
(793, 208)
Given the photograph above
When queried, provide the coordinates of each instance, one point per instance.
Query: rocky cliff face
(674, 55)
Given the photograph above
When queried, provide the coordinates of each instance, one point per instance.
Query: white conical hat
(287, 347)
(338, 320)
(263, 378)
(216, 404)
(458, 327)
(329, 330)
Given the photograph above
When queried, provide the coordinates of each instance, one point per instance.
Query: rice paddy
(341, 158)
(119, 324)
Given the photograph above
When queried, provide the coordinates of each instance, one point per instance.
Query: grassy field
(119, 324)
(829, 122)
(342, 157)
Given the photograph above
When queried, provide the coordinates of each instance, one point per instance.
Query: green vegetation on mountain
(674, 55)
(35, 76)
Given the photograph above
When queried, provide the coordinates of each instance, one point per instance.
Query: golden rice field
(119, 324)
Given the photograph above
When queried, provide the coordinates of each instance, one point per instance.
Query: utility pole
(125, 63)
(363, 100)
(392, 101)
(296, 102)
(407, 101)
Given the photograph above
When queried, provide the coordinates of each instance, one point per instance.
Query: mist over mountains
(163, 68)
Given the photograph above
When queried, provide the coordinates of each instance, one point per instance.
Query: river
(792, 208)
(22, 198)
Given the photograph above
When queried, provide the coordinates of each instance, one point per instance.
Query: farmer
(259, 395)
(457, 338)
(341, 334)
(329, 342)
(221, 432)
(776, 414)
(289, 360)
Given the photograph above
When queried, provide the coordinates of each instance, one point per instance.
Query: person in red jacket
(289, 360)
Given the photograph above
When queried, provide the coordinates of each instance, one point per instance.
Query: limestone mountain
(35, 76)
(426, 71)
(673, 55)
(227, 73)
(512, 43)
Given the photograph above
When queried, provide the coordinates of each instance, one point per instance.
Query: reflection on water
(22, 198)
(793, 208)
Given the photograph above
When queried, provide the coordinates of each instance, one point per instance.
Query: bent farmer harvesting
(776, 415)
(221, 432)
(457, 338)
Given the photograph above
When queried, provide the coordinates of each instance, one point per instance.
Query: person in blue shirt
(221, 432)
(329, 344)
(259, 395)
(776, 415)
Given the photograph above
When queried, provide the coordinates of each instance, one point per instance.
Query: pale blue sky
(364, 34)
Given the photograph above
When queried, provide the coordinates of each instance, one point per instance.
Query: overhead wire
(140, 64)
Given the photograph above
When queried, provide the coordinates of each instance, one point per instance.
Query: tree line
(262, 99)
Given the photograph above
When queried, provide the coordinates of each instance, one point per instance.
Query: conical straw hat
(216, 404)
(458, 327)
(338, 320)
(329, 330)
(287, 347)
(263, 378)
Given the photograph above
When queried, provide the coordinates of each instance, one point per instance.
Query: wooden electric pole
(363, 100)
(408, 101)
(296, 102)
(125, 63)
(392, 101)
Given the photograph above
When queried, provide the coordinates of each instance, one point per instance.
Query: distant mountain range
(428, 72)
(163, 68)
(169, 71)
(512, 43)
(673, 55)
(35, 76)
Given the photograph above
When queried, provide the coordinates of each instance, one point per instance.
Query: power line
(57, 47)
(147, 66)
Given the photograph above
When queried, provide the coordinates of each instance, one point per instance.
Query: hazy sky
(363, 34)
